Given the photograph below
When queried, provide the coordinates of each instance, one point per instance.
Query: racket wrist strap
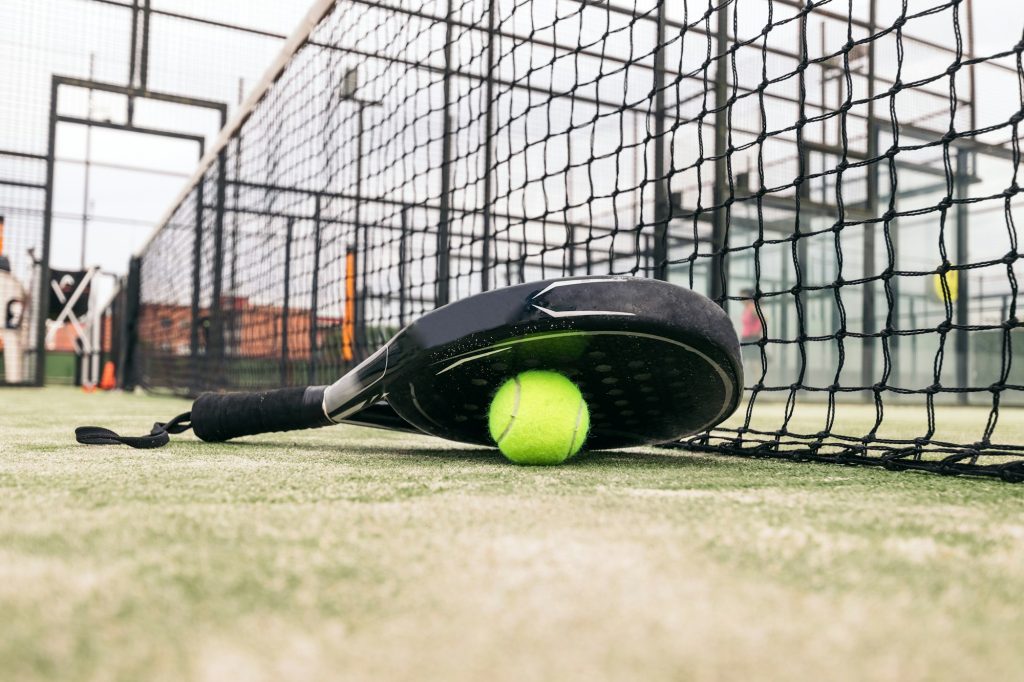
(158, 436)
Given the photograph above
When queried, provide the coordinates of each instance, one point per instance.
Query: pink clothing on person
(751, 324)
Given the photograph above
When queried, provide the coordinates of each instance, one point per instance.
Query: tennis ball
(539, 417)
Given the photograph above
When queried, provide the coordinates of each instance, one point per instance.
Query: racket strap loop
(158, 436)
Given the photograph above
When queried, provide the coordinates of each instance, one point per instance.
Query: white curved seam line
(576, 429)
(515, 411)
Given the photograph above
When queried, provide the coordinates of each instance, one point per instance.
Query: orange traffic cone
(108, 381)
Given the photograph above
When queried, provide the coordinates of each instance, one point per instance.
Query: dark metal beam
(122, 127)
(129, 91)
(26, 185)
(22, 155)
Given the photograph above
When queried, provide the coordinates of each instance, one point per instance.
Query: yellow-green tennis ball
(539, 417)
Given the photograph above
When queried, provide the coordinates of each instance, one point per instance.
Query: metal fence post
(42, 304)
(128, 376)
(662, 210)
(289, 229)
(443, 263)
(314, 302)
(197, 265)
(485, 263)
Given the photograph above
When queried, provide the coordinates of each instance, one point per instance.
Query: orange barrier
(109, 379)
(348, 329)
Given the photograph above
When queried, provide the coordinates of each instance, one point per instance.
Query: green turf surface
(358, 554)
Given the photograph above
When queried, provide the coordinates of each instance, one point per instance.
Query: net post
(962, 338)
(964, 161)
(720, 227)
(662, 210)
(868, 300)
(442, 288)
(803, 192)
(485, 262)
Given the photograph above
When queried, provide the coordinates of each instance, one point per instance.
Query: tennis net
(823, 170)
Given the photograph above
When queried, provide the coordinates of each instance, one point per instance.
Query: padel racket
(655, 362)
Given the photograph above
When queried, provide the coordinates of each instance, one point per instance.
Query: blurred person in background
(751, 332)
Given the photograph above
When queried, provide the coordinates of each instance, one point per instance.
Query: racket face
(640, 388)
(654, 362)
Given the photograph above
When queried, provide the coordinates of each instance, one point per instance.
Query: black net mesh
(840, 176)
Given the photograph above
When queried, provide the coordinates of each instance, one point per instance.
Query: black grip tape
(220, 416)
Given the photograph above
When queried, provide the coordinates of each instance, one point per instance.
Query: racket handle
(221, 416)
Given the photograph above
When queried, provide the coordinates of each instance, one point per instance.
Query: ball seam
(576, 428)
(515, 411)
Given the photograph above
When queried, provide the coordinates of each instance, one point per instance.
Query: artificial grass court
(360, 554)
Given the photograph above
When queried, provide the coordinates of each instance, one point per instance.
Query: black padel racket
(655, 362)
